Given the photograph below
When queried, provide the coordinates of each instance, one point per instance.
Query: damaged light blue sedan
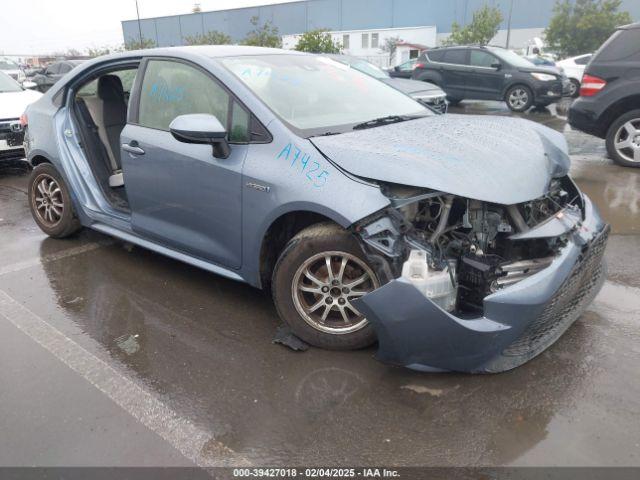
(457, 243)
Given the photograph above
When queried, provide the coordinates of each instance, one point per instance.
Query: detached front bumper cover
(519, 322)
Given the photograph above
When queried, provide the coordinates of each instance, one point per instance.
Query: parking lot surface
(114, 355)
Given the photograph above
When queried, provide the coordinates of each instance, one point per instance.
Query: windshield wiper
(376, 122)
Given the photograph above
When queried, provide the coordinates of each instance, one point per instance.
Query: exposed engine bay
(457, 251)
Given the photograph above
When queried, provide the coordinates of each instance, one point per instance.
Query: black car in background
(491, 73)
(46, 77)
(609, 103)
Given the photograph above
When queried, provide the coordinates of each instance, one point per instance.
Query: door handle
(132, 148)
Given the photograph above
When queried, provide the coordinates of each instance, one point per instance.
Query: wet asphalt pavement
(114, 355)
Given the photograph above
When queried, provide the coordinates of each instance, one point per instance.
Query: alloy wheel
(627, 140)
(518, 98)
(48, 203)
(324, 286)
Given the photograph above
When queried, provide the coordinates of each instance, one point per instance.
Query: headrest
(110, 88)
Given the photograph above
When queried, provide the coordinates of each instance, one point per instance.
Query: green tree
(317, 41)
(265, 35)
(140, 45)
(390, 45)
(483, 27)
(212, 37)
(582, 27)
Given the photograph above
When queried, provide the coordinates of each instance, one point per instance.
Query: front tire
(623, 140)
(50, 202)
(321, 270)
(519, 98)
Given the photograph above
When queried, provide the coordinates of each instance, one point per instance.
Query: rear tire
(50, 202)
(519, 98)
(623, 139)
(304, 291)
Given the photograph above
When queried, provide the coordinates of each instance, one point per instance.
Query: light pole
(139, 26)
(509, 25)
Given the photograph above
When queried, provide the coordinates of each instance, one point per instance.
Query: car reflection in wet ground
(201, 345)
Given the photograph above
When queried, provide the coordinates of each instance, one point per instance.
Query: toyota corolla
(456, 242)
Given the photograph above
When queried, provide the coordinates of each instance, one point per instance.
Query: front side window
(65, 67)
(511, 58)
(479, 58)
(314, 94)
(365, 40)
(171, 89)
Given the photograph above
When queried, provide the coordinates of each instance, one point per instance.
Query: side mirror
(496, 65)
(29, 85)
(201, 128)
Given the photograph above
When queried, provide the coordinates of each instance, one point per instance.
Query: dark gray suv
(491, 73)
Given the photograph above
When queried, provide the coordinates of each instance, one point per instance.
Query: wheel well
(38, 159)
(618, 108)
(283, 229)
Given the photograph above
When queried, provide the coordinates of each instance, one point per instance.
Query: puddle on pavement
(614, 190)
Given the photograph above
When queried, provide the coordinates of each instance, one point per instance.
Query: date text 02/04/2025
(302, 163)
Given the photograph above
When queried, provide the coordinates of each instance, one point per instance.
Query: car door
(179, 193)
(454, 69)
(485, 81)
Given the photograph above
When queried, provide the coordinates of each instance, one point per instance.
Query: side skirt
(177, 255)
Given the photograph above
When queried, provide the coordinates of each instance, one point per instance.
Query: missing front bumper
(519, 322)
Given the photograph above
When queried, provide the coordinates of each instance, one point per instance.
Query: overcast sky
(45, 26)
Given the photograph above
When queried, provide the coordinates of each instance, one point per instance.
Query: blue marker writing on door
(302, 163)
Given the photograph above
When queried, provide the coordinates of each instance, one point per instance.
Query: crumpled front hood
(496, 159)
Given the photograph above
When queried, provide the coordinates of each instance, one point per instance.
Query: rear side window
(435, 55)
(622, 46)
(458, 57)
(171, 89)
(65, 67)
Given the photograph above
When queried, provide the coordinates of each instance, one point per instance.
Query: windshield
(6, 64)
(512, 58)
(8, 84)
(315, 94)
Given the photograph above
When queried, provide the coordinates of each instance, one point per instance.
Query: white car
(574, 69)
(14, 99)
